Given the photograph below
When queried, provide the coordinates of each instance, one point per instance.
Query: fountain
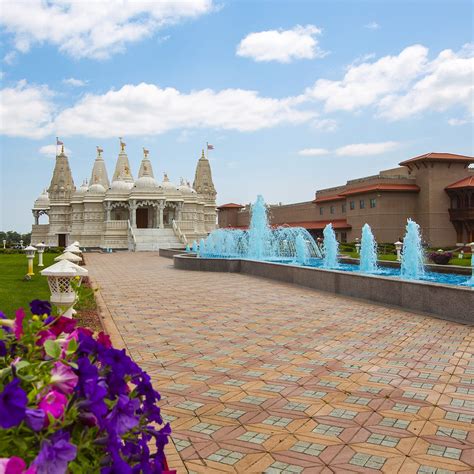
(188, 249)
(412, 266)
(471, 280)
(330, 248)
(202, 247)
(301, 250)
(195, 247)
(260, 241)
(368, 251)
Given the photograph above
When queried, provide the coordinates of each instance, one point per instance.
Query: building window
(362, 204)
(352, 205)
(321, 211)
(372, 203)
(343, 207)
(344, 237)
(331, 209)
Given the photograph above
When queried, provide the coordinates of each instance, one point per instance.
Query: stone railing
(132, 241)
(178, 233)
(116, 225)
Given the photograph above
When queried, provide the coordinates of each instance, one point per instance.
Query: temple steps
(155, 239)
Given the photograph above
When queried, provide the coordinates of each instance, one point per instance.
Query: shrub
(440, 258)
(70, 402)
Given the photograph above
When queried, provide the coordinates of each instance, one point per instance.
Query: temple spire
(122, 168)
(99, 171)
(145, 168)
(203, 183)
(62, 184)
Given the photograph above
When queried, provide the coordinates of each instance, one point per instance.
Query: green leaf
(71, 347)
(21, 364)
(52, 348)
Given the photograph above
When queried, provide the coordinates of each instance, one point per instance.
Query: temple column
(162, 207)
(178, 212)
(133, 213)
(108, 208)
(36, 216)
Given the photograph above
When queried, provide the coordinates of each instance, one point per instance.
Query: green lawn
(16, 293)
(465, 262)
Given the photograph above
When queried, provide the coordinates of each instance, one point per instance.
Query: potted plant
(440, 257)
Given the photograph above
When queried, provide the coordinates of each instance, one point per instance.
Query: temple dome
(83, 188)
(43, 200)
(96, 189)
(167, 184)
(120, 187)
(185, 188)
(146, 182)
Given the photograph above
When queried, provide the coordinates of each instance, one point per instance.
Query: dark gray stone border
(447, 302)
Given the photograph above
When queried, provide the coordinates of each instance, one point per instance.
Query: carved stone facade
(109, 215)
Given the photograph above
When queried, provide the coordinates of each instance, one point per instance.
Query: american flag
(58, 142)
(210, 147)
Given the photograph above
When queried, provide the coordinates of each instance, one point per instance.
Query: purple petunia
(123, 418)
(63, 378)
(13, 401)
(34, 419)
(40, 307)
(55, 454)
(3, 349)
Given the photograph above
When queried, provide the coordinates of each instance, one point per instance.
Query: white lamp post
(21, 243)
(40, 247)
(73, 249)
(60, 276)
(69, 256)
(398, 248)
(30, 255)
(472, 247)
(76, 244)
(4, 243)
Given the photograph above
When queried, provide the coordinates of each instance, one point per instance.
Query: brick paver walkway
(259, 376)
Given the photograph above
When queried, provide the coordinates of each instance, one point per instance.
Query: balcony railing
(466, 214)
(116, 225)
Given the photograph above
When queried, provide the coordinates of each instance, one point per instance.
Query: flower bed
(440, 258)
(70, 402)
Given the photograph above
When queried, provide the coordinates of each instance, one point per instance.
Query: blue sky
(294, 96)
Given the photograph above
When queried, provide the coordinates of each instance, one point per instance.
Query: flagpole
(57, 146)
(207, 150)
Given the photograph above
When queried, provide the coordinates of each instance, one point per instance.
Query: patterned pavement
(260, 376)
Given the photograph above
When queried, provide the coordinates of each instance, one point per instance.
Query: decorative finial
(165, 177)
(122, 144)
(62, 148)
(202, 154)
(145, 152)
(99, 151)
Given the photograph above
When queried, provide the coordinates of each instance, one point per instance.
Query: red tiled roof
(337, 224)
(439, 157)
(231, 205)
(334, 197)
(467, 182)
(382, 187)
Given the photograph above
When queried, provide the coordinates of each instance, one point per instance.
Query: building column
(36, 216)
(133, 213)
(108, 209)
(162, 207)
(178, 212)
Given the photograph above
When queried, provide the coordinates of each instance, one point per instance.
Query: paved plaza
(260, 376)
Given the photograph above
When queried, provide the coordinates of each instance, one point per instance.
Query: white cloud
(51, 150)
(403, 85)
(455, 122)
(313, 152)
(26, 111)
(364, 149)
(365, 84)
(447, 81)
(283, 46)
(92, 29)
(146, 109)
(373, 25)
(71, 81)
(10, 57)
(325, 125)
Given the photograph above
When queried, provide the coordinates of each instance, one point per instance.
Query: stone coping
(170, 253)
(444, 301)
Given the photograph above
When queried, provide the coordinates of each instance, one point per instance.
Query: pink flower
(54, 402)
(104, 339)
(63, 378)
(15, 465)
(18, 327)
(44, 336)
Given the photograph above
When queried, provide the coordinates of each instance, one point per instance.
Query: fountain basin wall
(447, 302)
(170, 253)
(432, 267)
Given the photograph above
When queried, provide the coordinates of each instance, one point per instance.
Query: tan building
(436, 190)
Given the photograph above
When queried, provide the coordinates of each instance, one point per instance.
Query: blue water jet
(412, 265)
(195, 247)
(330, 248)
(188, 249)
(301, 250)
(368, 251)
